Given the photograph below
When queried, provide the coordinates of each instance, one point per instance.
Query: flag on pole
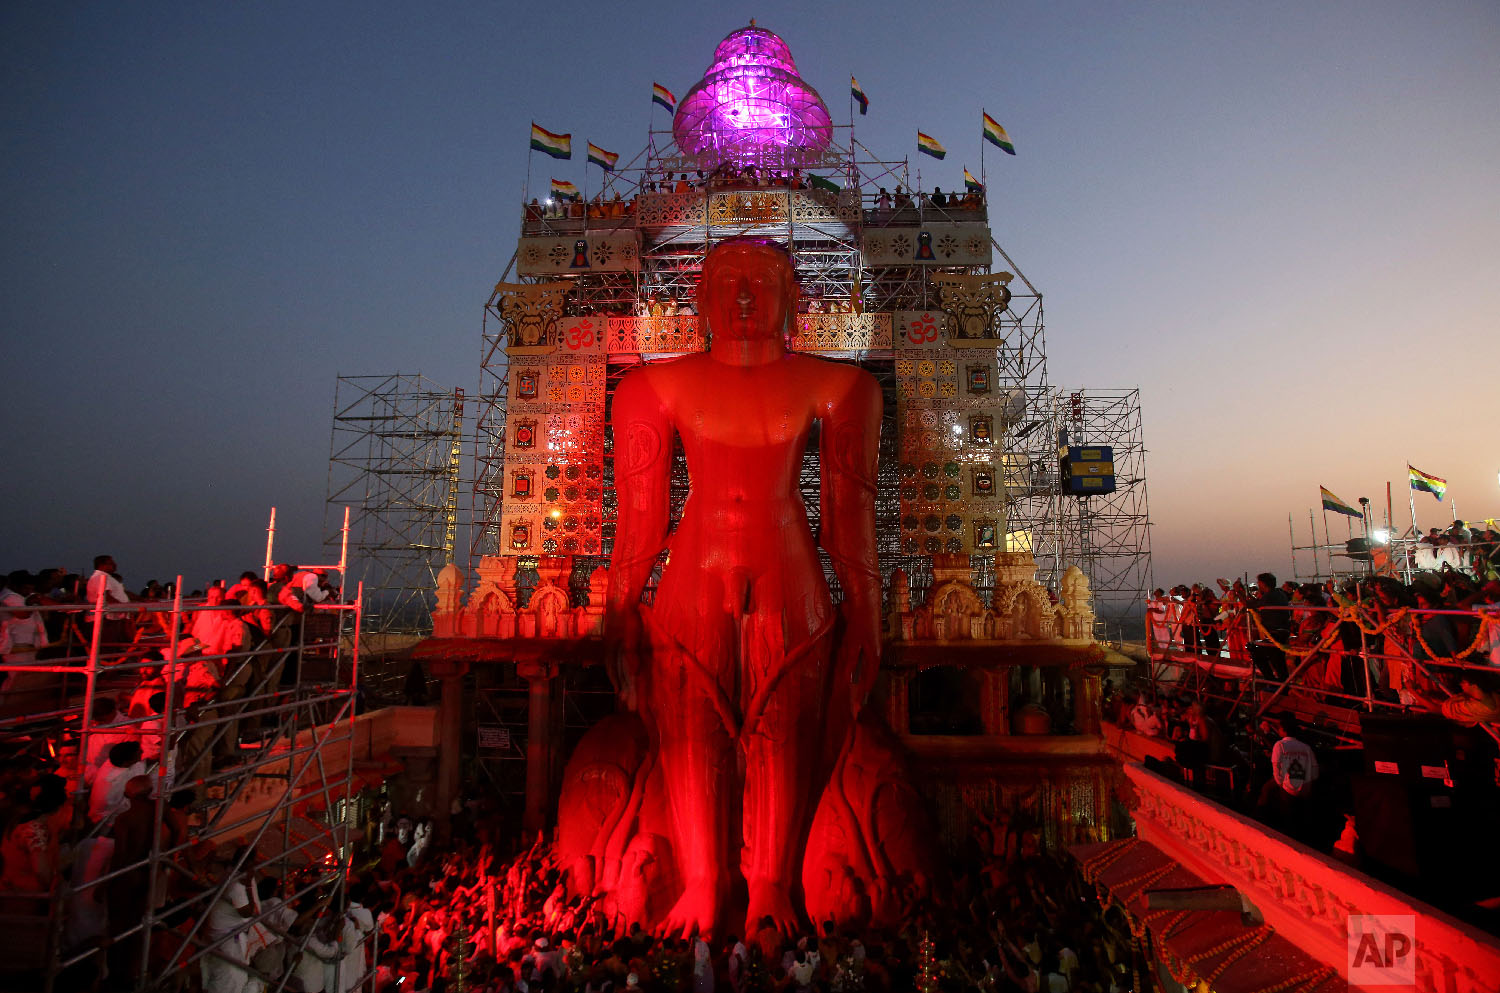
(970, 183)
(1427, 484)
(859, 96)
(660, 94)
(564, 190)
(602, 159)
(927, 143)
(1333, 503)
(995, 134)
(559, 146)
(819, 183)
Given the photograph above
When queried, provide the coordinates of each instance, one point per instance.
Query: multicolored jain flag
(927, 143)
(996, 135)
(970, 183)
(859, 96)
(559, 146)
(660, 94)
(564, 190)
(1427, 484)
(1333, 503)
(602, 159)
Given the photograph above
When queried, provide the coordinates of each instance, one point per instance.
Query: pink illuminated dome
(752, 108)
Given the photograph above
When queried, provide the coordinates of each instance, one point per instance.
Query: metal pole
(265, 572)
(1327, 543)
(1312, 533)
(1364, 659)
(344, 548)
(93, 674)
(1291, 536)
(165, 772)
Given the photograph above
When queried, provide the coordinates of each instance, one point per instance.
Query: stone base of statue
(867, 859)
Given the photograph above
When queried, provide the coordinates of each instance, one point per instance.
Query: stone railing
(1304, 895)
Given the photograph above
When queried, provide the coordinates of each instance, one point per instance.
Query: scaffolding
(676, 231)
(395, 465)
(250, 755)
(1107, 536)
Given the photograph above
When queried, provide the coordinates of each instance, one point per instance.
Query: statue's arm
(643, 456)
(849, 451)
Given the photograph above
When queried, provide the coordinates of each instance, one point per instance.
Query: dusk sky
(1280, 220)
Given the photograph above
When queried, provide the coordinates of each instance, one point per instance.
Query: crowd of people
(79, 798)
(1432, 644)
(458, 915)
(1237, 663)
(608, 204)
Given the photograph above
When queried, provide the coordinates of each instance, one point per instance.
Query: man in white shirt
(1294, 765)
(114, 591)
(224, 967)
(107, 791)
(1294, 768)
(103, 735)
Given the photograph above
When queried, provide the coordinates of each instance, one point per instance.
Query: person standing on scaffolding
(1271, 606)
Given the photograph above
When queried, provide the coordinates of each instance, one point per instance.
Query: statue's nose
(743, 296)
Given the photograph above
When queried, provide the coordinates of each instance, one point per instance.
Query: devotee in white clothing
(107, 791)
(114, 590)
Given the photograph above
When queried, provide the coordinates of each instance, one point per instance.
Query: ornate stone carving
(1306, 896)
(840, 332)
(935, 243)
(972, 303)
(657, 210)
(530, 311)
(593, 251)
(1077, 611)
(654, 335)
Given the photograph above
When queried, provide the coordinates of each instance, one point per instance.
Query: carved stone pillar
(450, 733)
(1088, 689)
(995, 704)
(539, 744)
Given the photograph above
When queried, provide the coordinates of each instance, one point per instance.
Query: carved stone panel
(654, 335)
(937, 243)
(840, 332)
(530, 312)
(554, 445)
(601, 251)
(670, 209)
(972, 303)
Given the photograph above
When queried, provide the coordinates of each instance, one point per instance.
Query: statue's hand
(622, 653)
(859, 650)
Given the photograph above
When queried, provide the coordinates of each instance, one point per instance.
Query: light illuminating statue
(748, 775)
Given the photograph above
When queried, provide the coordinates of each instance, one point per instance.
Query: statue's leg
(696, 751)
(785, 773)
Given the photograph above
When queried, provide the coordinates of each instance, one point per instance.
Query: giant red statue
(746, 677)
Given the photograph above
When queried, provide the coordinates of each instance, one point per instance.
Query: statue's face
(747, 292)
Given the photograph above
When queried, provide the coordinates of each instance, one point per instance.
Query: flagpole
(1411, 498)
(984, 180)
(527, 187)
(1327, 543)
(1312, 530)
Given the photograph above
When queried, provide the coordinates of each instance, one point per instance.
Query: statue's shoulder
(663, 374)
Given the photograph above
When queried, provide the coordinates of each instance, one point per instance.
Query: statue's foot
(771, 899)
(698, 907)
